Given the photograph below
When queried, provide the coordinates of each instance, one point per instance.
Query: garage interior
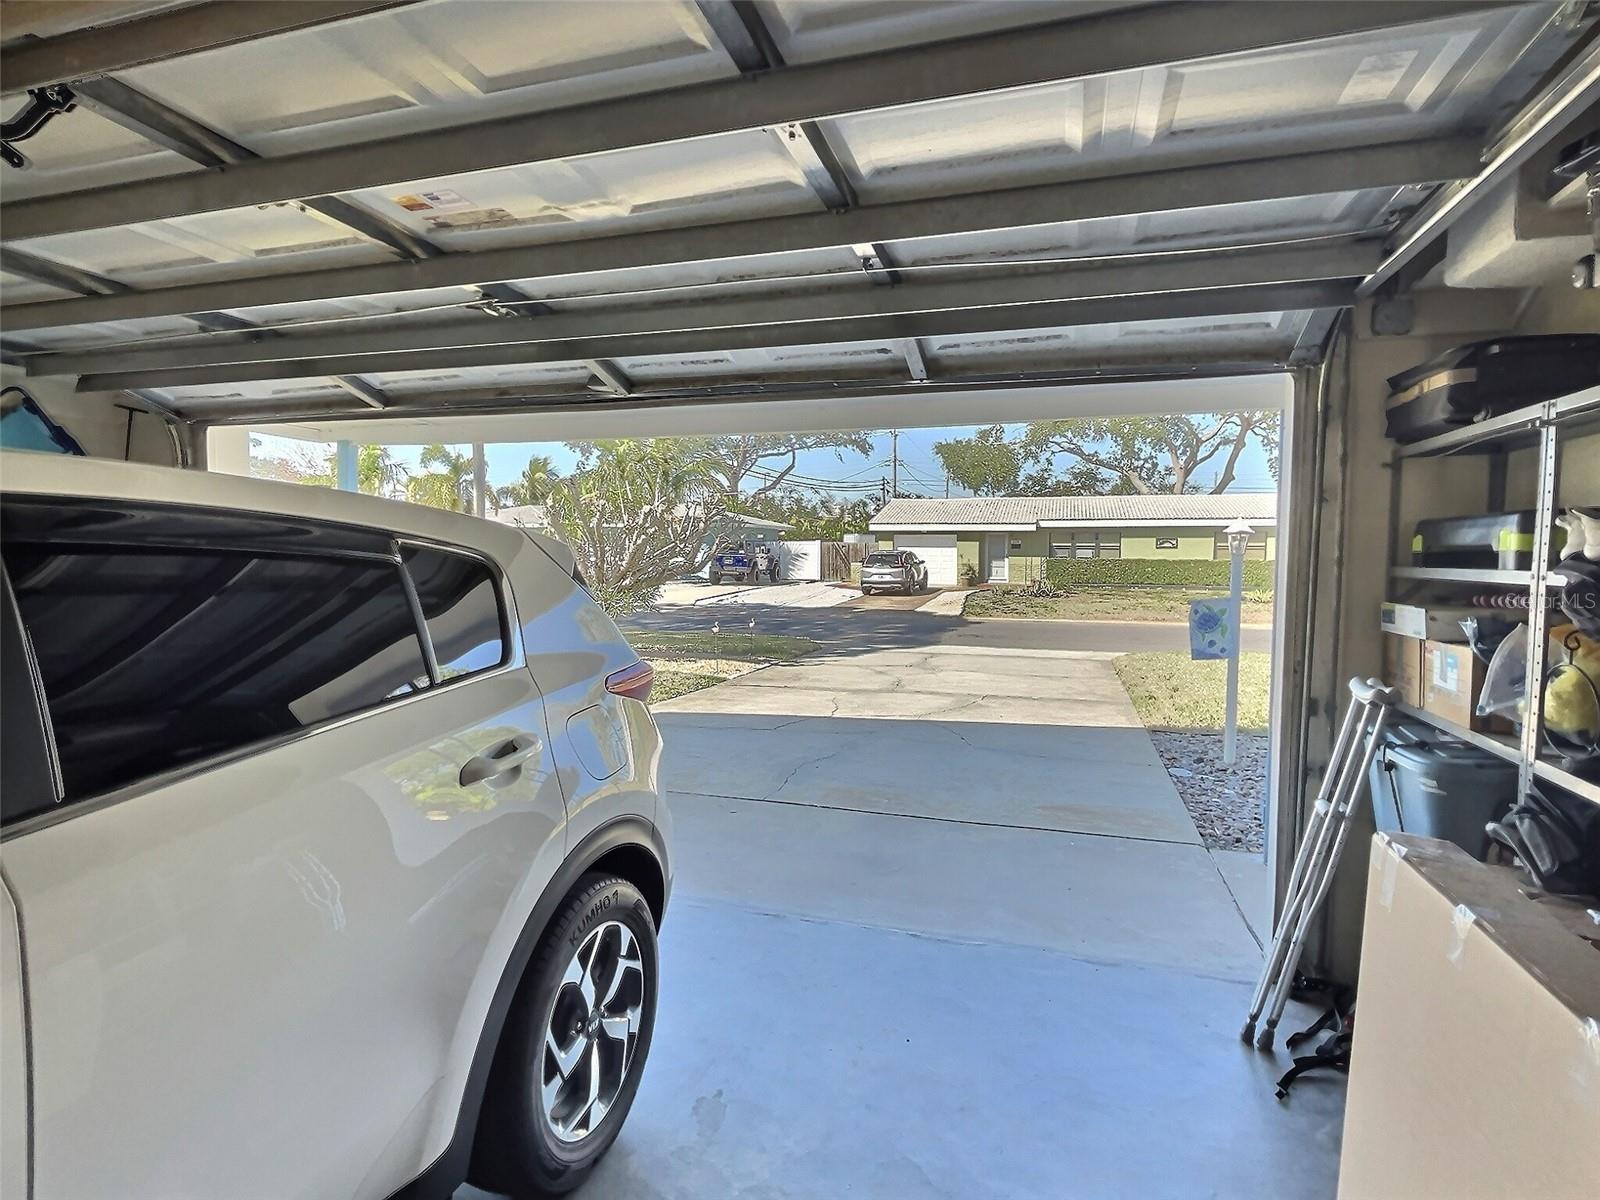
(446, 220)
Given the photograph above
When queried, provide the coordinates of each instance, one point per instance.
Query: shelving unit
(1460, 575)
(1504, 745)
(1545, 428)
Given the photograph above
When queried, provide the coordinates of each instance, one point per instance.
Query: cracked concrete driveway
(1021, 738)
(942, 928)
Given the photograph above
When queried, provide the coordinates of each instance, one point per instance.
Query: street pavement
(855, 627)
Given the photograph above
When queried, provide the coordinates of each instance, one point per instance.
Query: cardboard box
(1402, 667)
(1452, 679)
(1433, 622)
(1475, 1070)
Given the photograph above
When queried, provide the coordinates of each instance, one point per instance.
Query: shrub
(1110, 572)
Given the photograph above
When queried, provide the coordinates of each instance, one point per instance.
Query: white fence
(799, 561)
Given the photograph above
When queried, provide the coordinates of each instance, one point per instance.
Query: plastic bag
(1505, 681)
(1484, 635)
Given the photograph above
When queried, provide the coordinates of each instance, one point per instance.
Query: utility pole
(894, 459)
(947, 487)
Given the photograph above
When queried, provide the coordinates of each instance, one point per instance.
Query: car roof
(34, 474)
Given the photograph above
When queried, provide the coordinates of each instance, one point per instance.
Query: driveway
(942, 928)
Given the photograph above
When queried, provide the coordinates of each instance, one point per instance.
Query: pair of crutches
(1353, 751)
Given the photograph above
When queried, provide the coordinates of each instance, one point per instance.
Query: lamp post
(1238, 538)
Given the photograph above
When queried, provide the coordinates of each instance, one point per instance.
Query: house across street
(1006, 539)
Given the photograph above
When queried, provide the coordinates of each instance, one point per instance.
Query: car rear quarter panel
(607, 748)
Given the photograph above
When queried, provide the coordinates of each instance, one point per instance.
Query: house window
(1166, 543)
(1085, 543)
(1255, 548)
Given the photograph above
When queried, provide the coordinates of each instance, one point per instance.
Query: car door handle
(502, 760)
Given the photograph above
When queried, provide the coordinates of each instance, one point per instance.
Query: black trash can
(1425, 783)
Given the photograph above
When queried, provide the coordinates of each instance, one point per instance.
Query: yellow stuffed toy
(1570, 705)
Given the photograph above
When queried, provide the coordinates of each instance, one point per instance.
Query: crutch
(1312, 877)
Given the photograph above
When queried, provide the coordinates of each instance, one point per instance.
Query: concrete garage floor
(942, 928)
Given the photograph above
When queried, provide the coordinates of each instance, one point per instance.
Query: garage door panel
(938, 550)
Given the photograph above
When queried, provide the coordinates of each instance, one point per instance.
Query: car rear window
(462, 607)
(153, 658)
(883, 558)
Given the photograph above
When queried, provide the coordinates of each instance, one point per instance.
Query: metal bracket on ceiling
(43, 104)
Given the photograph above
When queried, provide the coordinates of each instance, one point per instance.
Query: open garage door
(938, 550)
(547, 222)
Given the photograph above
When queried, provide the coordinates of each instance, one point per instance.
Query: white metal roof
(1043, 512)
(459, 205)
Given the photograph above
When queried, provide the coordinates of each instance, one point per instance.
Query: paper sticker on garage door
(441, 200)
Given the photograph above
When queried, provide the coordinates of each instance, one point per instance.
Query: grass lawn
(686, 662)
(1172, 691)
(1108, 604)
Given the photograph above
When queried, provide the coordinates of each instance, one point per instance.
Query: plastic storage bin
(1425, 783)
(1498, 540)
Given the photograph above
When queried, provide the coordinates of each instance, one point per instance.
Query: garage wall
(105, 424)
(1357, 522)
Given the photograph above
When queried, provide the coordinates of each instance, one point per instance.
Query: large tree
(533, 485)
(636, 514)
(1154, 454)
(986, 464)
(757, 464)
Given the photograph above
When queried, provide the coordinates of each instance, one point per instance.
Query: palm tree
(377, 473)
(533, 485)
(446, 481)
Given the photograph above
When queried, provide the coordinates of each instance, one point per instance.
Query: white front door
(999, 564)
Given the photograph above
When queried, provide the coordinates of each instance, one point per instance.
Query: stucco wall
(1191, 544)
(1026, 560)
(969, 553)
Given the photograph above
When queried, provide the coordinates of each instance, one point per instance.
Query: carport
(447, 220)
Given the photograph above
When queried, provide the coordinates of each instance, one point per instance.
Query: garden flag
(1211, 628)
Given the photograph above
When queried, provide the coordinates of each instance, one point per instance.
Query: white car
(333, 848)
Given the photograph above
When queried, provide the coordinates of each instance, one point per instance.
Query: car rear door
(291, 827)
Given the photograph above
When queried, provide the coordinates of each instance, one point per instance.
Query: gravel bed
(1224, 802)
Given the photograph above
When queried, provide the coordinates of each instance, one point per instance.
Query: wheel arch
(629, 846)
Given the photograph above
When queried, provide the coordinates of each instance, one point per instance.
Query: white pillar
(346, 467)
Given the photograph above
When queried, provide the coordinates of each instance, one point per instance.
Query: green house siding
(1028, 550)
(1191, 543)
(969, 553)
(1025, 555)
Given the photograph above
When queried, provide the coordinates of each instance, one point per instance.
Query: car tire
(522, 1148)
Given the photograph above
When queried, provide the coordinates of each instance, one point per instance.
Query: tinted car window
(155, 658)
(462, 607)
(884, 558)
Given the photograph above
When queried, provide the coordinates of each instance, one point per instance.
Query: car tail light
(633, 682)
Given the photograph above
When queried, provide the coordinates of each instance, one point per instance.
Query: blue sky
(919, 465)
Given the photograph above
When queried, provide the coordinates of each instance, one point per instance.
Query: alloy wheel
(592, 1032)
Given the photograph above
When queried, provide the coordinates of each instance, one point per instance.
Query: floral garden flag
(1211, 628)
